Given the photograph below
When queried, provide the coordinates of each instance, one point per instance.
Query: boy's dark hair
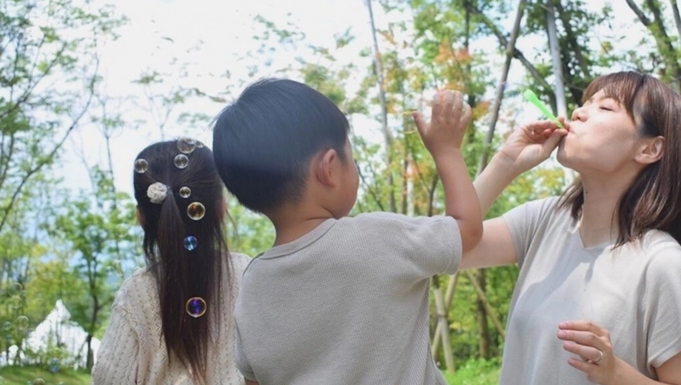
(184, 270)
(264, 141)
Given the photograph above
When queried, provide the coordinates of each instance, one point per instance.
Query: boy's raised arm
(442, 137)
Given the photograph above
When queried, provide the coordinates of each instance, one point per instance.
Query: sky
(160, 30)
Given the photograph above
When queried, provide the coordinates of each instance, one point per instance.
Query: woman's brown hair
(183, 270)
(653, 200)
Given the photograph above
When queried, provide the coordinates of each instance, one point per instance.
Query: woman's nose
(578, 114)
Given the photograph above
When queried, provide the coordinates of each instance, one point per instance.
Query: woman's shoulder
(660, 245)
(657, 254)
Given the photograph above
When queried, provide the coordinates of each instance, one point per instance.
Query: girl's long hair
(182, 273)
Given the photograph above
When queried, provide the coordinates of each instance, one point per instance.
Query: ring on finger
(600, 358)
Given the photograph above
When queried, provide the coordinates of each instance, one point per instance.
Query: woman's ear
(651, 151)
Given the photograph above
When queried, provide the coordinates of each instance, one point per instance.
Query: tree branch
(516, 53)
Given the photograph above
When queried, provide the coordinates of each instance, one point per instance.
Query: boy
(337, 300)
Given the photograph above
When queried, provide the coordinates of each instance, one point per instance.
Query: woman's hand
(531, 144)
(591, 343)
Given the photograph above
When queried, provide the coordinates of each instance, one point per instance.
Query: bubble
(186, 145)
(17, 287)
(199, 144)
(196, 210)
(181, 161)
(185, 192)
(22, 323)
(7, 325)
(39, 381)
(190, 243)
(196, 307)
(141, 166)
(16, 301)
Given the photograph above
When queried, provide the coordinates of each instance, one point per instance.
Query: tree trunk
(510, 49)
(536, 75)
(387, 134)
(677, 17)
(484, 341)
(443, 325)
(662, 40)
(449, 296)
(561, 106)
(89, 361)
(485, 302)
(510, 53)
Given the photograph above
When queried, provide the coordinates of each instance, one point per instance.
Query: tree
(48, 70)
(98, 232)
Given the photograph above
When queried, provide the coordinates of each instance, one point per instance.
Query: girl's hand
(532, 143)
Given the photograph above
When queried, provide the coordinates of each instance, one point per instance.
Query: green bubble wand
(532, 97)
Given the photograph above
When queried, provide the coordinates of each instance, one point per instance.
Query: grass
(475, 372)
(27, 375)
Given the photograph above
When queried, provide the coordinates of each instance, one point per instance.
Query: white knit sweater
(133, 351)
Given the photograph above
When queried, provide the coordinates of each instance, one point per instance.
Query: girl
(172, 323)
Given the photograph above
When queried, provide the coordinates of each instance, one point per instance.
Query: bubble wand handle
(532, 98)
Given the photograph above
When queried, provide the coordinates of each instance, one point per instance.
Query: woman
(598, 297)
(172, 323)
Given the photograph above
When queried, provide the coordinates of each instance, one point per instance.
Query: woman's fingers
(586, 353)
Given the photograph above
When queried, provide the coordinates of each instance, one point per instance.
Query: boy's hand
(449, 118)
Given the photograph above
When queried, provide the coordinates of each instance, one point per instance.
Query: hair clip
(157, 192)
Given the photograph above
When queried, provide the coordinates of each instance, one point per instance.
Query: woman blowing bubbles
(598, 297)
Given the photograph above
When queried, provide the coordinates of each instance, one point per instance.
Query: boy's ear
(325, 170)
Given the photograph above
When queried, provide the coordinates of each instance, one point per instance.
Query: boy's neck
(293, 222)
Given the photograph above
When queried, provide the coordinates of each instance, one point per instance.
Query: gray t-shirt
(346, 304)
(633, 291)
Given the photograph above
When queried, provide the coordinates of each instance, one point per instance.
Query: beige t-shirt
(633, 291)
(346, 304)
(133, 351)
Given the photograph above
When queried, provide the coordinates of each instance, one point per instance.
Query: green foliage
(21, 375)
(47, 79)
(475, 372)
(100, 235)
(79, 248)
(248, 233)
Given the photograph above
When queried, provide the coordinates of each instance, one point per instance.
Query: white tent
(57, 330)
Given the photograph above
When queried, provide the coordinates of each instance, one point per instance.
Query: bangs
(623, 87)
